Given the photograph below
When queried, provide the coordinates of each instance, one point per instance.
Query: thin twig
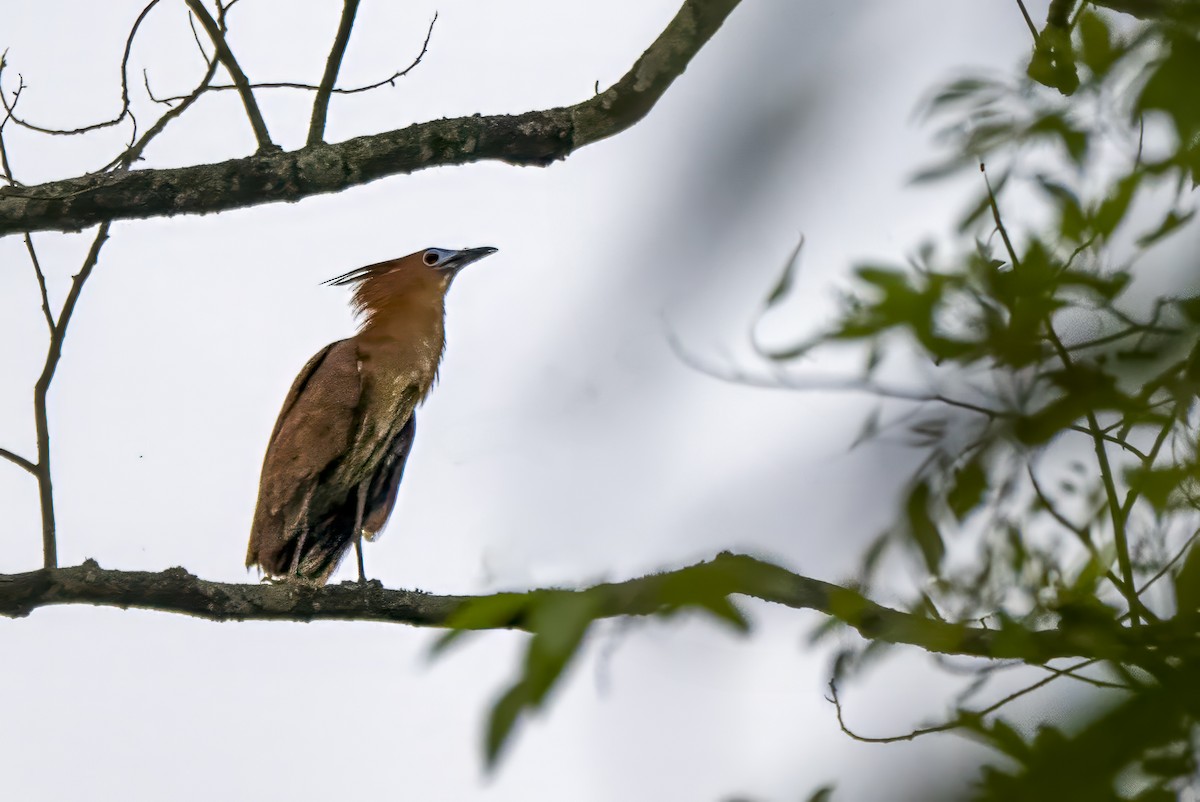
(1069, 672)
(1120, 538)
(5, 167)
(199, 44)
(1163, 571)
(1120, 335)
(135, 151)
(41, 280)
(18, 460)
(958, 722)
(1127, 586)
(354, 90)
(124, 91)
(1130, 596)
(1008, 246)
(225, 56)
(1028, 20)
(320, 109)
(908, 736)
(42, 389)
(1132, 495)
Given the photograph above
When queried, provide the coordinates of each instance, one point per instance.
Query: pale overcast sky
(565, 443)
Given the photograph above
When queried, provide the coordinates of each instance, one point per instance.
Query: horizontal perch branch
(177, 591)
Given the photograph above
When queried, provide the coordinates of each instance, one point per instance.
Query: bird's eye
(431, 258)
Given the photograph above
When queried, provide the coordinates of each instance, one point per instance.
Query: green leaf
(1053, 61)
(485, 612)
(1157, 485)
(1190, 307)
(1007, 740)
(873, 554)
(559, 620)
(1112, 210)
(921, 528)
(1187, 582)
(1096, 45)
(1056, 126)
(1170, 223)
(822, 794)
(1072, 221)
(503, 718)
(1171, 87)
(1159, 794)
(942, 169)
(787, 278)
(970, 484)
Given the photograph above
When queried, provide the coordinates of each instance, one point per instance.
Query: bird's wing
(385, 484)
(314, 429)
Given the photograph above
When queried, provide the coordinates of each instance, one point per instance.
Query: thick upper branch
(534, 138)
(176, 591)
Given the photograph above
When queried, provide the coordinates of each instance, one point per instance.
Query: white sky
(565, 444)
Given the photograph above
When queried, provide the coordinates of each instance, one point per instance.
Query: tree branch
(225, 56)
(177, 591)
(316, 127)
(534, 138)
(337, 90)
(41, 280)
(41, 391)
(124, 90)
(18, 460)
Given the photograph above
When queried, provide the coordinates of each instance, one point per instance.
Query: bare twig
(5, 167)
(135, 151)
(41, 280)
(908, 736)
(42, 389)
(316, 126)
(1163, 571)
(960, 721)
(1131, 597)
(1120, 538)
(18, 460)
(124, 91)
(199, 44)
(1132, 495)
(1028, 20)
(354, 90)
(225, 56)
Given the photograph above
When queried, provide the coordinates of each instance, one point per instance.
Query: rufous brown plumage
(334, 463)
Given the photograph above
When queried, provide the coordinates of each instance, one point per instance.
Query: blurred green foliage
(1052, 385)
(1059, 406)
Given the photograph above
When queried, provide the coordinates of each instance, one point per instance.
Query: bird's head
(421, 277)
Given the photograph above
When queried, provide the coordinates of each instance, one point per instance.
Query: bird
(336, 456)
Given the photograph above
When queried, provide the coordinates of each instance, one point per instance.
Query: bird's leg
(358, 525)
(294, 571)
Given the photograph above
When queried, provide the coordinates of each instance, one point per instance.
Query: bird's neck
(407, 336)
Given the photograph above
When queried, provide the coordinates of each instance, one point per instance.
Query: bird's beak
(465, 257)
